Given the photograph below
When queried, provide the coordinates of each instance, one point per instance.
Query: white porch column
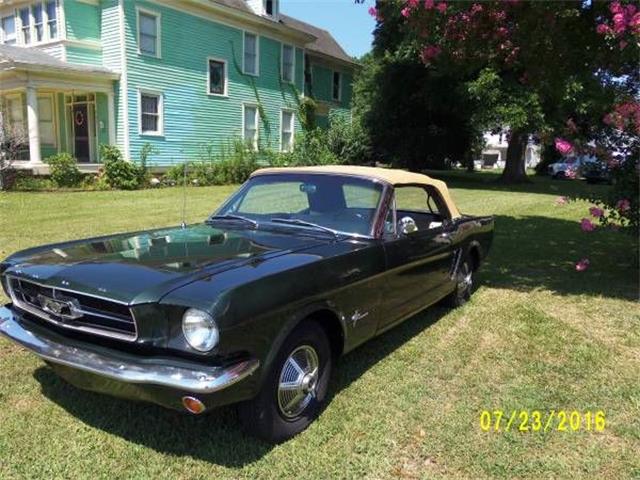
(32, 125)
(111, 105)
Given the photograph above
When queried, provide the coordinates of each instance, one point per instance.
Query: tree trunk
(514, 169)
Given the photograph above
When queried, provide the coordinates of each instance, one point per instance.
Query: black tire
(263, 416)
(464, 285)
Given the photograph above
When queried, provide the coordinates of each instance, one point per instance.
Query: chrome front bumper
(113, 365)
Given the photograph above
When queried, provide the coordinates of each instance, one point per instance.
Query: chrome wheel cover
(298, 381)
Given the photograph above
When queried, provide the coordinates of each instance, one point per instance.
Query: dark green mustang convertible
(254, 305)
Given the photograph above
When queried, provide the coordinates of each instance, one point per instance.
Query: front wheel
(295, 388)
(464, 285)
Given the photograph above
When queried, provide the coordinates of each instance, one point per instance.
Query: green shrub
(119, 173)
(233, 165)
(347, 140)
(311, 148)
(30, 183)
(64, 170)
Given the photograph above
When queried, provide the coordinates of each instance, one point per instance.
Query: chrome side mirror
(407, 225)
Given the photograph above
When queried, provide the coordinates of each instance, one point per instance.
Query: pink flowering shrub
(582, 265)
(587, 225)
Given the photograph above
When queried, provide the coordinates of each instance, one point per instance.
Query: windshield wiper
(232, 218)
(304, 223)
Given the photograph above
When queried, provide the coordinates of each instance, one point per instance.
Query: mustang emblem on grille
(67, 309)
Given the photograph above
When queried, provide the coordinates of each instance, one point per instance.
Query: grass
(536, 335)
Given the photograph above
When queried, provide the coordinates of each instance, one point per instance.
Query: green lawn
(536, 335)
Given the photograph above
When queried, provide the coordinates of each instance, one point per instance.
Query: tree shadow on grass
(532, 252)
(217, 437)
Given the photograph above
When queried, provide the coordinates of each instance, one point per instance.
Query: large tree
(540, 67)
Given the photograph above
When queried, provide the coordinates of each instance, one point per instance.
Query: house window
(37, 12)
(150, 113)
(9, 36)
(337, 86)
(250, 65)
(25, 22)
(217, 77)
(286, 131)
(270, 7)
(149, 33)
(250, 127)
(288, 65)
(46, 120)
(15, 114)
(52, 19)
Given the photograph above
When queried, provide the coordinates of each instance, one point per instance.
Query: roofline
(239, 15)
(331, 58)
(7, 65)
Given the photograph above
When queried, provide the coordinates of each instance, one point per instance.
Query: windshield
(340, 203)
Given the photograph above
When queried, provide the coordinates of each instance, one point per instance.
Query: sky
(349, 22)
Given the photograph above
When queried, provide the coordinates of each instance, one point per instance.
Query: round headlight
(200, 330)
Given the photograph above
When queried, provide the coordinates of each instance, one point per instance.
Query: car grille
(74, 310)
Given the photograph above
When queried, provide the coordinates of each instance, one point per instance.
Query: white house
(494, 154)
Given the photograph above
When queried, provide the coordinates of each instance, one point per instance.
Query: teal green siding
(322, 91)
(111, 58)
(84, 55)
(82, 20)
(192, 118)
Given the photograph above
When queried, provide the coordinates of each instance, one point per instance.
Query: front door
(82, 147)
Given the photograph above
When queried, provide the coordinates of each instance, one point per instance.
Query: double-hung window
(52, 19)
(336, 91)
(149, 33)
(8, 25)
(15, 114)
(286, 131)
(250, 126)
(150, 113)
(288, 63)
(217, 77)
(25, 25)
(46, 125)
(250, 62)
(38, 21)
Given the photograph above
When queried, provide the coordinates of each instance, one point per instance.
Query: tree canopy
(565, 71)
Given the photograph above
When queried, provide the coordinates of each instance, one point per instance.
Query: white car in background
(570, 167)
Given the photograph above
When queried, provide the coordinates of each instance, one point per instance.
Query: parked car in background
(570, 167)
(254, 305)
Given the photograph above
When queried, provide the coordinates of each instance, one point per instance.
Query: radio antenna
(183, 225)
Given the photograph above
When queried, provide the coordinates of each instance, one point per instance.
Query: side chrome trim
(80, 328)
(185, 376)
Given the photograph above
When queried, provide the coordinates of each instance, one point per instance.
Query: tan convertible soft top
(392, 176)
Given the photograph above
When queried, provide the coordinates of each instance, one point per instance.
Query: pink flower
(563, 146)
(476, 8)
(406, 11)
(582, 265)
(442, 7)
(596, 212)
(623, 205)
(429, 4)
(615, 7)
(603, 29)
(373, 12)
(412, 3)
(561, 201)
(429, 52)
(587, 225)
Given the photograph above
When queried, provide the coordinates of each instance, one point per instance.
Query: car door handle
(444, 237)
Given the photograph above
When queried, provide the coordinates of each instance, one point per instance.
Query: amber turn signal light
(193, 405)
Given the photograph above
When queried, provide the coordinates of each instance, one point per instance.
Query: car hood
(144, 266)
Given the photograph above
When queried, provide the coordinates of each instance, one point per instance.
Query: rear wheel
(295, 388)
(464, 285)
